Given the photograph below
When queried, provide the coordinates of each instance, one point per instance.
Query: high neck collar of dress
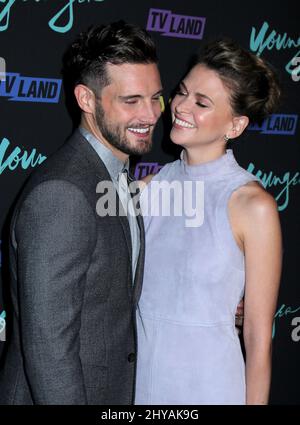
(214, 167)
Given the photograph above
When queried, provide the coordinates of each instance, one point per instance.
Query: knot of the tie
(126, 175)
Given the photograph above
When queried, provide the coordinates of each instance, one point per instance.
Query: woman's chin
(176, 139)
(179, 141)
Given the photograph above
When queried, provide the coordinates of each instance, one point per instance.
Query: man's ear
(239, 125)
(85, 98)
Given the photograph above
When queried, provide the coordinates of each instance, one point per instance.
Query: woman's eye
(180, 93)
(202, 105)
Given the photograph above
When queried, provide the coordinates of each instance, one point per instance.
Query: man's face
(129, 107)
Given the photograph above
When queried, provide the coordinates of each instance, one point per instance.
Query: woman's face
(201, 110)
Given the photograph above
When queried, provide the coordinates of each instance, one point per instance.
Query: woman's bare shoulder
(253, 197)
(251, 206)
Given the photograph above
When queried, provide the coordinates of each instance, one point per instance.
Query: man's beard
(113, 134)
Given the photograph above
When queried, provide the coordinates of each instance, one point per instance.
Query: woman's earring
(226, 138)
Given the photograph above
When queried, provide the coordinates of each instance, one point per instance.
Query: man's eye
(130, 102)
(181, 93)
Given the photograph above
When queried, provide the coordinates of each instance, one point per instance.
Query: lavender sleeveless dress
(188, 348)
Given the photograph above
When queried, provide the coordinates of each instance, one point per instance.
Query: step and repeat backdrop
(34, 121)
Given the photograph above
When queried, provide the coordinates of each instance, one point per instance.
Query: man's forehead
(122, 67)
(134, 79)
(132, 72)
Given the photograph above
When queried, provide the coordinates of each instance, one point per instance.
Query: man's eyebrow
(131, 96)
(159, 93)
(196, 94)
(139, 96)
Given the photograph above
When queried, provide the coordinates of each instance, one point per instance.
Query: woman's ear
(85, 98)
(239, 125)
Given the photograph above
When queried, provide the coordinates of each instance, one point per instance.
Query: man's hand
(239, 315)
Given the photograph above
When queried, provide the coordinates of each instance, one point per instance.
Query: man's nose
(151, 112)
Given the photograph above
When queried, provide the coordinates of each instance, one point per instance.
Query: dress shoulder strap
(223, 225)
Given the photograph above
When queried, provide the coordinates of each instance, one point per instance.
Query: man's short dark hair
(117, 43)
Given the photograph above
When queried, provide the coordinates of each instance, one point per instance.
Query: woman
(195, 276)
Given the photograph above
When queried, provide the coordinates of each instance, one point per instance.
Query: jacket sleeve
(55, 237)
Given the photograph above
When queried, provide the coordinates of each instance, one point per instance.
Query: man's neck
(116, 152)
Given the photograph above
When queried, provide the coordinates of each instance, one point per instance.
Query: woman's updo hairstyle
(253, 84)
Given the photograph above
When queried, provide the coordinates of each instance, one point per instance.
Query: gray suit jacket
(74, 331)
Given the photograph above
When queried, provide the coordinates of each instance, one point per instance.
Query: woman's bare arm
(256, 226)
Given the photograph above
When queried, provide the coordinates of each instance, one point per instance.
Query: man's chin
(141, 147)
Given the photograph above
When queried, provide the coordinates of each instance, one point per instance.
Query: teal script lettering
(2, 321)
(284, 182)
(66, 12)
(261, 40)
(5, 13)
(283, 311)
(69, 10)
(18, 157)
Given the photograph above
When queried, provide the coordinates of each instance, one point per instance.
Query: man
(76, 275)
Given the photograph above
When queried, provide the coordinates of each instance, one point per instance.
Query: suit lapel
(139, 273)
(138, 279)
(78, 142)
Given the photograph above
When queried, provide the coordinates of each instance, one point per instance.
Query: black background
(30, 47)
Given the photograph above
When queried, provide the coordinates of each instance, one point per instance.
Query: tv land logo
(281, 124)
(30, 89)
(142, 169)
(173, 25)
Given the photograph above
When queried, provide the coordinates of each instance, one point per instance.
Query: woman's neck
(194, 156)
